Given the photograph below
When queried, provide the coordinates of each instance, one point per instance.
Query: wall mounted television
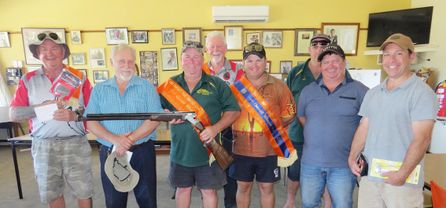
(415, 23)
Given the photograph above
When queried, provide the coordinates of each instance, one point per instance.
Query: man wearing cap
(216, 108)
(260, 134)
(395, 131)
(229, 72)
(126, 93)
(299, 77)
(328, 110)
(60, 149)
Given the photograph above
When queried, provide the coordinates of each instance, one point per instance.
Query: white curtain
(5, 96)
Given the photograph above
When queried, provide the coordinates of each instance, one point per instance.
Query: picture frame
(168, 36)
(97, 58)
(192, 34)
(13, 75)
(75, 37)
(140, 36)
(4, 40)
(344, 34)
(302, 41)
(29, 35)
(100, 75)
(268, 67)
(233, 36)
(286, 66)
(149, 66)
(169, 59)
(116, 35)
(272, 39)
(253, 37)
(84, 71)
(78, 58)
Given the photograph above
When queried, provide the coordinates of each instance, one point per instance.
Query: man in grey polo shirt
(394, 132)
(328, 110)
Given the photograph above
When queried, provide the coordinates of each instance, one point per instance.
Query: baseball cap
(121, 174)
(192, 44)
(320, 37)
(47, 35)
(331, 49)
(254, 48)
(403, 41)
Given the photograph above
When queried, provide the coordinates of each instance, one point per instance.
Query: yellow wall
(91, 15)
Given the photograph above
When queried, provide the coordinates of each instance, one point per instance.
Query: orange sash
(206, 69)
(78, 74)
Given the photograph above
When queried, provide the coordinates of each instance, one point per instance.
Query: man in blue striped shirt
(126, 93)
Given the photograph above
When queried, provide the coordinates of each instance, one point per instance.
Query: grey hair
(215, 34)
(122, 47)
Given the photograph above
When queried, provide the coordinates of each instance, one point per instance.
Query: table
(435, 169)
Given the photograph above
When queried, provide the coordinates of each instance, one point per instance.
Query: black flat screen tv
(415, 23)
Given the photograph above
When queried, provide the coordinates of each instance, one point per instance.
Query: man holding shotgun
(216, 108)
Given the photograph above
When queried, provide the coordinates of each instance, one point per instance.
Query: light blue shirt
(139, 97)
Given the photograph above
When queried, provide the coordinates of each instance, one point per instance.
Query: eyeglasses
(321, 43)
(253, 48)
(52, 35)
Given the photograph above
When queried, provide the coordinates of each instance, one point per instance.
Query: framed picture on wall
(169, 59)
(192, 34)
(268, 67)
(4, 40)
(168, 36)
(302, 39)
(100, 75)
(97, 58)
(285, 66)
(272, 39)
(78, 58)
(13, 75)
(140, 36)
(344, 35)
(29, 36)
(253, 37)
(116, 35)
(233, 35)
(76, 38)
(149, 66)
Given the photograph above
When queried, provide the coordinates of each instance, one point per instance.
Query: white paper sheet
(45, 112)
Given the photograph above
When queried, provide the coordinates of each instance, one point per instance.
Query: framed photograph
(272, 39)
(97, 58)
(168, 36)
(233, 36)
(100, 75)
(149, 66)
(302, 39)
(84, 71)
(29, 35)
(140, 36)
(343, 34)
(116, 35)
(253, 37)
(285, 66)
(76, 38)
(268, 67)
(13, 75)
(4, 40)
(192, 34)
(169, 59)
(78, 58)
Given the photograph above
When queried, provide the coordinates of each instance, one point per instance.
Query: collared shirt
(230, 72)
(390, 116)
(331, 119)
(299, 77)
(139, 97)
(215, 97)
(249, 139)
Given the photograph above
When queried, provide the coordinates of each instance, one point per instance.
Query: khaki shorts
(57, 160)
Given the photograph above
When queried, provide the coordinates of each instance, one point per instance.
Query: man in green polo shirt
(189, 158)
(299, 77)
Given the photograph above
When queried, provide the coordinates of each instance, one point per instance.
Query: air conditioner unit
(240, 13)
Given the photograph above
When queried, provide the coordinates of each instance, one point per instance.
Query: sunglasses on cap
(192, 44)
(321, 43)
(253, 48)
(52, 35)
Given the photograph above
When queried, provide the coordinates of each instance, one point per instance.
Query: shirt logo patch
(204, 92)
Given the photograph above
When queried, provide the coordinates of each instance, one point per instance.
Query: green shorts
(60, 160)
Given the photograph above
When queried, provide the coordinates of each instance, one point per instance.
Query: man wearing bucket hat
(60, 149)
(126, 93)
(328, 110)
(395, 131)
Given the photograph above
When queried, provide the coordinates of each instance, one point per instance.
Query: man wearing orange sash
(216, 109)
(256, 150)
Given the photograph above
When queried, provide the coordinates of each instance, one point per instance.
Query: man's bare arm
(226, 120)
(19, 113)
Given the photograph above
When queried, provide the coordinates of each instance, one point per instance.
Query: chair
(438, 195)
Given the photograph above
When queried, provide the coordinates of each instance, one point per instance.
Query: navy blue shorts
(294, 169)
(204, 177)
(264, 169)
